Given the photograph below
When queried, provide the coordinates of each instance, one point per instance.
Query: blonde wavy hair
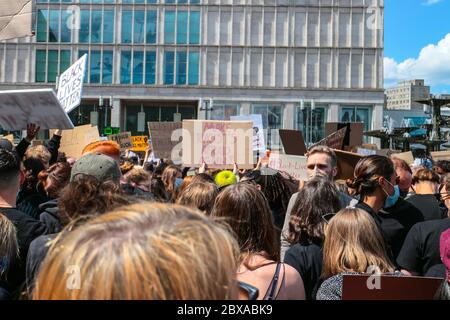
(353, 243)
(9, 248)
(144, 251)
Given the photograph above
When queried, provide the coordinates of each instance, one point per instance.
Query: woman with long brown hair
(171, 177)
(353, 245)
(247, 212)
(142, 252)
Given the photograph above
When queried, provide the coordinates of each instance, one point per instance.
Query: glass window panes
(311, 123)
(193, 68)
(182, 27)
(138, 67)
(356, 114)
(222, 111)
(66, 20)
(272, 116)
(169, 27)
(139, 30)
(83, 35)
(150, 67)
(52, 65)
(127, 16)
(107, 66)
(108, 26)
(42, 18)
(96, 26)
(194, 27)
(53, 26)
(80, 54)
(181, 67)
(41, 60)
(151, 26)
(125, 67)
(64, 60)
(95, 66)
(169, 67)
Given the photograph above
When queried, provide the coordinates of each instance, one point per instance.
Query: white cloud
(433, 65)
(431, 2)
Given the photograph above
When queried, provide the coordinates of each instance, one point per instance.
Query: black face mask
(403, 194)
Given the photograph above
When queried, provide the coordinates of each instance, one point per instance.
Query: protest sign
(123, 139)
(70, 85)
(16, 19)
(440, 155)
(354, 134)
(293, 142)
(219, 144)
(39, 106)
(258, 130)
(346, 162)
(293, 165)
(334, 140)
(368, 152)
(386, 287)
(9, 137)
(407, 156)
(140, 143)
(164, 138)
(73, 141)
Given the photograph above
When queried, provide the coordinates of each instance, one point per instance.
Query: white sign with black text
(70, 85)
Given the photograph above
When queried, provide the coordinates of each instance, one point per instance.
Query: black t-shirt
(420, 251)
(394, 223)
(428, 206)
(307, 260)
(27, 229)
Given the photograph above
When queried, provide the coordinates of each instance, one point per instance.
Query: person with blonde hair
(142, 252)
(200, 196)
(353, 245)
(9, 251)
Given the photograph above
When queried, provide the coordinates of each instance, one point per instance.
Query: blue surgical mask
(392, 200)
(178, 182)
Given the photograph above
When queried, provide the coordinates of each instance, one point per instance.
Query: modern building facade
(210, 59)
(405, 94)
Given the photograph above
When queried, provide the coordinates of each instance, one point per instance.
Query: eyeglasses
(252, 291)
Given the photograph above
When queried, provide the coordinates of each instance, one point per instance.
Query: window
(42, 26)
(272, 116)
(80, 54)
(64, 60)
(150, 67)
(151, 26)
(127, 18)
(66, 34)
(181, 67)
(95, 66)
(53, 26)
(107, 67)
(312, 124)
(139, 29)
(83, 35)
(223, 111)
(169, 27)
(194, 27)
(138, 67)
(193, 68)
(108, 26)
(169, 67)
(96, 26)
(125, 67)
(182, 27)
(356, 114)
(41, 60)
(52, 65)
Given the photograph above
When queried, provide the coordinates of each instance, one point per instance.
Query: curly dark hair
(86, 196)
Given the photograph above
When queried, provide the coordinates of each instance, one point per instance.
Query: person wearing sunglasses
(375, 181)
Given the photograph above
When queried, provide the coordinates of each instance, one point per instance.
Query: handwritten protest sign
(258, 130)
(123, 139)
(39, 106)
(70, 85)
(334, 140)
(219, 144)
(294, 165)
(164, 138)
(73, 141)
(140, 143)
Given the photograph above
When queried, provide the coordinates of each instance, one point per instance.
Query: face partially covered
(319, 164)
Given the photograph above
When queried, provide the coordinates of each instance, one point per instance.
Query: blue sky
(417, 42)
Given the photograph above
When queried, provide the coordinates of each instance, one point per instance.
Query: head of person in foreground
(142, 252)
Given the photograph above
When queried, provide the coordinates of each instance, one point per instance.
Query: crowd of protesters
(113, 226)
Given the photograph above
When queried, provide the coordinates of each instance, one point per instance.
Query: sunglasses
(251, 291)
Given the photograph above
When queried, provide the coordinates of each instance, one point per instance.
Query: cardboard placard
(346, 162)
(16, 19)
(164, 138)
(70, 85)
(368, 152)
(258, 130)
(140, 143)
(39, 106)
(73, 141)
(440, 155)
(123, 139)
(355, 287)
(354, 134)
(9, 137)
(406, 156)
(293, 165)
(334, 140)
(293, 142)
(219, 144)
